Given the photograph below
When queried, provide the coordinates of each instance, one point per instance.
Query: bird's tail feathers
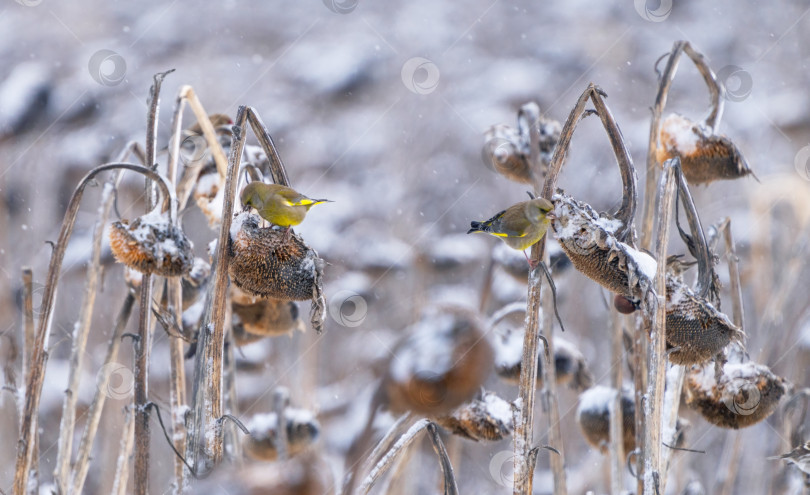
(478, 227)
(310, 202)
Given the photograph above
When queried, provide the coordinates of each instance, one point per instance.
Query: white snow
(644, 261)
(675, 297)
(263, 425)
(236, 223)
(682, 134)
(596, 399)
(206, 184)
(427, 350)
(509, 348)
(703, 378)
(609, 224)
(498, 409)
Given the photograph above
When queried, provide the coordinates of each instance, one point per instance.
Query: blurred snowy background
(396, 143)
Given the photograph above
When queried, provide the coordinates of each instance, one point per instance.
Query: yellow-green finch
(519, 226)
(279, 205)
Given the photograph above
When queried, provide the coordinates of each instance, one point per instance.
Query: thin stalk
(186, 184)
(385, 463)
(78, 349)
(28, 324)
(277, 170)
(486, 285)
(734, 275)
(524, 411)
(174, 298)
(399, 482)
(141, 373)
(672, 403)
(143, 345)
(207, 394)
(96, 407)
(549, 394)
(616, 447)
(639, 331)
(233, 445)
(39, 354)
(122, 464)
(654, 403)
(528, 376)
(384, 444)
(281, 397)
(27, 347)
(450, 485)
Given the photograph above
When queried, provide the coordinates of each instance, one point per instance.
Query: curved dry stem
(277, 170)
(388, 459)
(186, 184)
(450, 486)
(716, 92)
(627, 209)
(702, 254)
(39, 354)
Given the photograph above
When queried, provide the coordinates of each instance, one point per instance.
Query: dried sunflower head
(705, 157)
(696, 330)
(262, 317)
(441, 363)
(265, 264)
(302, 431)
(152, 244)
(569, 363)
(590, 241)
(486, 418)
(593, 417)
(507, 150)
(743, 395)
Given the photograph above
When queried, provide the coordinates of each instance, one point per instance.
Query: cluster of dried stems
(196, 451)
(202, 438)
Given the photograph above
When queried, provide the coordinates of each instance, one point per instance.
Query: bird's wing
(297, 200)
(496, 227)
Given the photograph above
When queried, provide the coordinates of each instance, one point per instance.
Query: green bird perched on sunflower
(279, 205)
(520, 226)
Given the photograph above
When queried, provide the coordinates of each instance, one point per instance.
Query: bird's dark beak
(551, 216)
